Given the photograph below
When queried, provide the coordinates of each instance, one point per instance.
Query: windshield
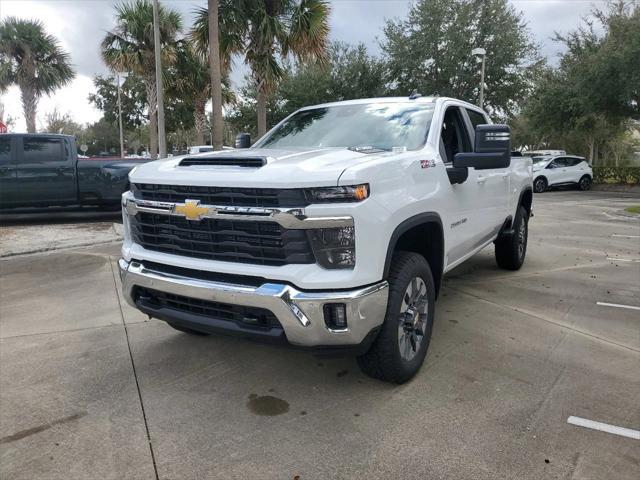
(381, 126)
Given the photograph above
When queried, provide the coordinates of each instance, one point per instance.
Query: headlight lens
(353, 193)
(334, 247)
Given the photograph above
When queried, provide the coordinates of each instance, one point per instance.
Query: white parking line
(625, 236)
(604, 304)
(604, 427)
(623, 259)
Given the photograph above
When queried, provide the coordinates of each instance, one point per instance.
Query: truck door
(465, 221)
(46, 171)
(493, 183)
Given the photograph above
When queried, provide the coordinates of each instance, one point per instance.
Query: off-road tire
(585, 183)
(383, 360)
(509, 254)
(540, 184)
(182, 329)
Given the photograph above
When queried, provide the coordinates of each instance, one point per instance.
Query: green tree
(190, 81)
(265, 32)
(349, 73)
(57, 122)
(33, 60)
(129, 47)
(430, 51)
(133, 99)
(585, 103)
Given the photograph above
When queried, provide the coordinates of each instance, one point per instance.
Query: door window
(476, 118)
(558, 163)
(5, 150)
(41, 150)
(454, 136)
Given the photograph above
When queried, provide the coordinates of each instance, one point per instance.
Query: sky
(80, 25)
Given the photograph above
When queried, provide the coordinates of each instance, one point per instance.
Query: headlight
(354, 193)
(334, 247)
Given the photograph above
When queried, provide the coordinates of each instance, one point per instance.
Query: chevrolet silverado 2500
(332, 232)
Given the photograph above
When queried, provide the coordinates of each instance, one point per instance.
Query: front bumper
(300, 313)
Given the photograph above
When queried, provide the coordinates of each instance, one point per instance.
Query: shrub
(625, 175)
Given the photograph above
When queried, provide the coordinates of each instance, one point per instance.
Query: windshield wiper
(368, 149)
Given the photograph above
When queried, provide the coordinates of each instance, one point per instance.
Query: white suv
(561, 170)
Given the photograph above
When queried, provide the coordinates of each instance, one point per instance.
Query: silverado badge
(191, 209)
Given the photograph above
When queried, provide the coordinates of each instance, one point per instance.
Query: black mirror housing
(492, 149)
(243, 140)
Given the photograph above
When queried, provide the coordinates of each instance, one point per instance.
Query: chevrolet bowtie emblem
(191, 209)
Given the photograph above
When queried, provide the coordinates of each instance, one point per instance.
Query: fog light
(335, 316)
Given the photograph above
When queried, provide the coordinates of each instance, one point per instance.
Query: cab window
(454, 137)
(41, 150)
(5, 150)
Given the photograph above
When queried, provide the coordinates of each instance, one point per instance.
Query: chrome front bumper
(300, 313)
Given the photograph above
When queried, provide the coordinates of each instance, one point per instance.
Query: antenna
(414, 95)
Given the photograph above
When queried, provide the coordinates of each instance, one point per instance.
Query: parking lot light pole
(120, 115)
(162, 141)
(481, 52)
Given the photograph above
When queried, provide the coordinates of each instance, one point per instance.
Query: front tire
(401, 346)
(511, 250)
(584, 183)
(540, 185)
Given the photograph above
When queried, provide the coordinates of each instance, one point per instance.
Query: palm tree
(265, 30)
(129, 47)
(33, 60)
(215, 69)
(191, 81)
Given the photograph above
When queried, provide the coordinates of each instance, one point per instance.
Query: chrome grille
(255, 242)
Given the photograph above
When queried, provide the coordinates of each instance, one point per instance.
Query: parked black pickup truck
(43, 170)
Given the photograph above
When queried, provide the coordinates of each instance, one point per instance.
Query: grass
(633, 209)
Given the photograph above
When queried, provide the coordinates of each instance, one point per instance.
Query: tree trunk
(200, 121)
(152, 101)
(261, 111)
(153, 135)
(216, 76)
(29, 107)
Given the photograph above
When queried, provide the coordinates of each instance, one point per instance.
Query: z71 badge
(427, 163)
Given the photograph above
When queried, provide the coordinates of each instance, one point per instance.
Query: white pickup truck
(332, 232)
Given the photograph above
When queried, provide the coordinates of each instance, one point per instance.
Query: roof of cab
(360, 101)
(40, 134)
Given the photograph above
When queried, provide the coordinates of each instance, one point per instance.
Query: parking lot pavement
(513, 355)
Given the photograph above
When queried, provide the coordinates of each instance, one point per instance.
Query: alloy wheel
(413, 318)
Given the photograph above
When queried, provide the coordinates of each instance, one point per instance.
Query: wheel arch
(422, 234)
(526, 199)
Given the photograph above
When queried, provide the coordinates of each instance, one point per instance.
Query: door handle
(481, 179)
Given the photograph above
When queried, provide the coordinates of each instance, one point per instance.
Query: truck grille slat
(223, 196)
(257, 242)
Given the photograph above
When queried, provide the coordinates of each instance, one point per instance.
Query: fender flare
(522, 193)
(405, 226)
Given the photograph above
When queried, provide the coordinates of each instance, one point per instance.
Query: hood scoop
(219, 160)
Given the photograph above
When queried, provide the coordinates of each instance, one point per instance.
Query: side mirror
(243, 140)
(492, 149)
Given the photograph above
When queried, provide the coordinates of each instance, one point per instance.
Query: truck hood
(283, 168)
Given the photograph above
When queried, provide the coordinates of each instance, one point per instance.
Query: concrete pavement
(89, 388)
